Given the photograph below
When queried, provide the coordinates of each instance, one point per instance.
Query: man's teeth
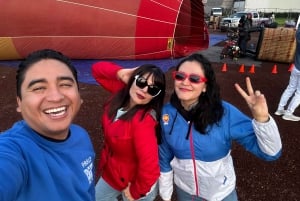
(56, 110)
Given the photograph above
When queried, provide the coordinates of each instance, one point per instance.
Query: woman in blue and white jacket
(198, 130)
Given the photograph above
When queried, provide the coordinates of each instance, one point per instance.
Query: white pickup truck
(232, 21)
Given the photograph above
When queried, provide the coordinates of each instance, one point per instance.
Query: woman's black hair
(37, 56)
(209, 109)
(122, 98)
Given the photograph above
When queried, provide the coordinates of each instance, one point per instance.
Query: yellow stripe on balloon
(7, 49)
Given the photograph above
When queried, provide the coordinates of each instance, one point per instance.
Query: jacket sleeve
(105, 73)
(166, 185)
(261, 139)
(12, 170)
(145, 144)
(268, 139)
(166, 172)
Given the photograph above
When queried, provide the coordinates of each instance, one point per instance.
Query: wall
(273, 5)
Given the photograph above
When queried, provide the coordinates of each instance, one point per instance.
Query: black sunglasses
(193, 78)
(142, 83)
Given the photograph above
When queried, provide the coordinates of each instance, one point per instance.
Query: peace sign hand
(255, 100)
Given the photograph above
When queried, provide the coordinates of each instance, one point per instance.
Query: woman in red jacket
(129, 163)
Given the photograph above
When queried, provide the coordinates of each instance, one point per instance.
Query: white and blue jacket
(202, 164)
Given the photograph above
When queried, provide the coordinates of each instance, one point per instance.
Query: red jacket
(130, 152)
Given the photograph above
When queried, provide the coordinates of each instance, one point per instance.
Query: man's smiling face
(49, 98)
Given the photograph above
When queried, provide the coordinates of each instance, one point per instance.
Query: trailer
(269, 6)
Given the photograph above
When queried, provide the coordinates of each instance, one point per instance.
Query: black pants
(242, 42)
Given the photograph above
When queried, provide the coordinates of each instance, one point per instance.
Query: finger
(258, 93)
(249, 86)
(241, 91)
(260, 97)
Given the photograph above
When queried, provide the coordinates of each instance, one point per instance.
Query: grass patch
(280, 21)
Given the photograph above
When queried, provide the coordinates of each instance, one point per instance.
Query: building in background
(265, 6)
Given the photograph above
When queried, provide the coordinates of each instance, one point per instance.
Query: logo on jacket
(166, 119)
(87, 164)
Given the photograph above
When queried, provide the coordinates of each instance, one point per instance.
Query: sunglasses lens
(153, 90)
(142, 83)
(179, 76)
(195, 78)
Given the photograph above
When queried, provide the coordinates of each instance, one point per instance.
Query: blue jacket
(33, 168)
(202, 164)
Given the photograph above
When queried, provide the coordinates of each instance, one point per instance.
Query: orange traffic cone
(291, 67)
(224, 68)
(274, 70)
(252, 69)
(242, 68)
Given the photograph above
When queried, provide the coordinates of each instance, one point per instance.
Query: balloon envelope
(93, 29)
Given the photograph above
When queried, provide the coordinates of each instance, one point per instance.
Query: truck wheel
(262, 25)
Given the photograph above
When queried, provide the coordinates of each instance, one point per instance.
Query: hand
(127, 193)
(125, 74)
(256, 101)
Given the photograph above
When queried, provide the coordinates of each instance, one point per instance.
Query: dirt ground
(256, 180)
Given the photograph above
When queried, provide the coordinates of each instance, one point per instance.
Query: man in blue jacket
(45, 156)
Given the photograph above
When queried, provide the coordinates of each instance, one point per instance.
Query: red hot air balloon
(93, 29)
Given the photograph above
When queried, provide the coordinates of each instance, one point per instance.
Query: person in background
(242, 34)
(198, 129)
(129, 164)
(244, 27)
(292, 89)
(249, 21)
(44, 156)
(242, 22)
(273, 17)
